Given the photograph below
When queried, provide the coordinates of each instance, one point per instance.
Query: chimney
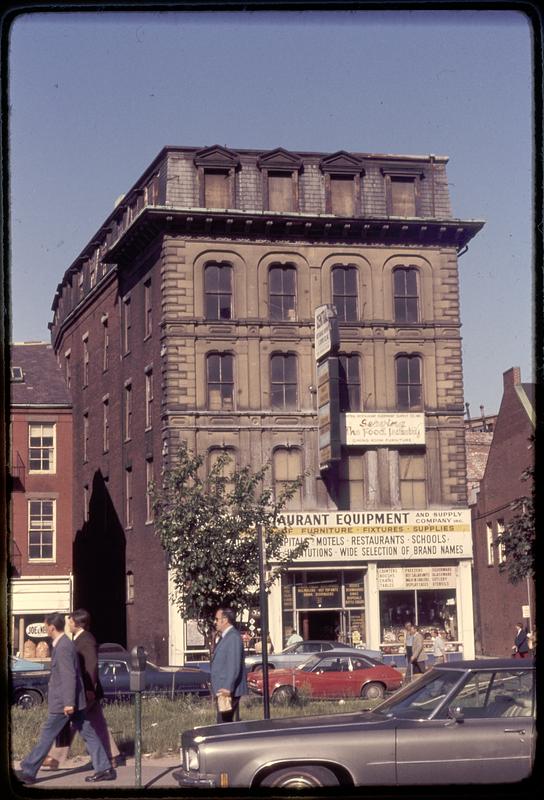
(512, 377)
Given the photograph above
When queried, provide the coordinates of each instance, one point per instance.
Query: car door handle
(522, 731)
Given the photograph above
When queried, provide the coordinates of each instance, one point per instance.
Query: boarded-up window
(216, 188)
(280, 191)
(287, 467)
(412, 480)
(351, 482)
(342, 195)
(403, 196)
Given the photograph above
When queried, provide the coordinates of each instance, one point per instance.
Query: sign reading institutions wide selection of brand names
(382, 429)
(380, 535)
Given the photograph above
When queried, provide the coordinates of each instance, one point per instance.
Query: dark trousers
(418, 667)
(229, 716)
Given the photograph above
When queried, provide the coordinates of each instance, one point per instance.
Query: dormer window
(402, 191)
(280, 170)
(16, 374)
(216, 170)
(342, 173)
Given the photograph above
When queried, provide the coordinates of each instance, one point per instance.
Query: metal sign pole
(138, 739)
(263, 602)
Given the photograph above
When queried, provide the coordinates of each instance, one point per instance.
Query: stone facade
(148, 260)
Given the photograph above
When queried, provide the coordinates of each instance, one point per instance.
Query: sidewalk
(156, 773)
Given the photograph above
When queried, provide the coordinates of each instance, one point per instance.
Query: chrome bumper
(195, 779)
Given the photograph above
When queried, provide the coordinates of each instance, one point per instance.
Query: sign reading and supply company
(380, 535)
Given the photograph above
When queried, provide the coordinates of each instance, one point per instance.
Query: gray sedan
(299, 652)
(459, 723)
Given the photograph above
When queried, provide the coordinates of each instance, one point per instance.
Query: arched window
(344, 292)
(349, 380)
(220, 381)
(287, 467)
(406, 294)
(283, 381)
(282, 281)
(218, 291)
(409, 387)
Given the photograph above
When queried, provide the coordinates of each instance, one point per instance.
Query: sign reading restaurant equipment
(387, 429)
(380, 535)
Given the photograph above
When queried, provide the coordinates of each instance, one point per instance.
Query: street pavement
(156, 773)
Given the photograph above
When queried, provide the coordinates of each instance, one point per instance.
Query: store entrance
(320, 625)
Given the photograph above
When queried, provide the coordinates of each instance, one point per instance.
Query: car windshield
(310, 663)
(420, 699)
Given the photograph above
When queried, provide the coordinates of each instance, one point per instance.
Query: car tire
(303, 777)
(28, 699)
(373, 691)
(283, 695)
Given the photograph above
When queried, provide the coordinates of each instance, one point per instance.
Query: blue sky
(95, 96)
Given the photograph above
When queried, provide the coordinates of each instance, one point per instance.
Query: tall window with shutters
(220, 381)
(344, 292)
(405, 283)
(409, 386)
(283, 381)
(282, 281)
(218, 291)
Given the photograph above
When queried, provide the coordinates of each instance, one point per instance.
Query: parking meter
(138, 662)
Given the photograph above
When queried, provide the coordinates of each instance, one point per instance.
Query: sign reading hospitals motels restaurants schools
(380, 535)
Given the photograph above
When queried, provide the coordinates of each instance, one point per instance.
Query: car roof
(487, 663)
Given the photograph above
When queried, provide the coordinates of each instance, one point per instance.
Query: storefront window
(426, 608)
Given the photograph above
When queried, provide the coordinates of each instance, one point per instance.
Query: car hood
(284, 724)
(276, 674)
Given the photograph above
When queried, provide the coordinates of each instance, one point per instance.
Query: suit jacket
(521, 642)
(65, 682)
(418, 648)
(87, 650)
(227, 668)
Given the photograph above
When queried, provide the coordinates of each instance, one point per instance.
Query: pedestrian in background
(419, 656)
(294, 638)
(228, 673)
(408, 641)
(79, 622)
(439, 647)
(65, 700)
(520, 648)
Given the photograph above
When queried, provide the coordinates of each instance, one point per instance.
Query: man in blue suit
(65, 699)
(228, 674)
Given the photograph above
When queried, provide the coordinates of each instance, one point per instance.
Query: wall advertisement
(380, 535)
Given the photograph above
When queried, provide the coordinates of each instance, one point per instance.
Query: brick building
(41, 495)
(190, 316)
(499, 604)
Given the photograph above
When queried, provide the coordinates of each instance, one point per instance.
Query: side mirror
(456, 713)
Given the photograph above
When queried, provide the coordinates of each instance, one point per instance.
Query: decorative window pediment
(217, 157)
(278, 160)
(341, 163)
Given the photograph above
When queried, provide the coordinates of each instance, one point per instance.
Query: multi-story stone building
(40, 470)
(189, 316)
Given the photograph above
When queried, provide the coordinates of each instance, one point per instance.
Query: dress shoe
(50, 763)
(105, 775)
(118, 761)
(24, 778)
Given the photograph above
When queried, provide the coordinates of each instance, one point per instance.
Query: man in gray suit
(65, 699)
(228, 674)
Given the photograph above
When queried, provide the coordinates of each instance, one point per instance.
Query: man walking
(520, 648)
(228, 674)
(79, 623)
(65, 700)
(419, 656)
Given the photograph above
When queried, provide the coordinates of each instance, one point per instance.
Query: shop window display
(426, 608)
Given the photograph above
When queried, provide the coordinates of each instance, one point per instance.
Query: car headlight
(191, 759)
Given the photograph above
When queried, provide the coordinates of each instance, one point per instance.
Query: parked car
(334, 673)
(114, 676)
(297, 653)
(17, 664)
(28, 687)
(464, 722)
(112, 647)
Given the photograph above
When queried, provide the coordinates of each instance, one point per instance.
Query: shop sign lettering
(382, 429)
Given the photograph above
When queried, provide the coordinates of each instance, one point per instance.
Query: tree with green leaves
(208, 526)
(518, 537)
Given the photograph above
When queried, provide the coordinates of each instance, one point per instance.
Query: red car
(331, 674)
